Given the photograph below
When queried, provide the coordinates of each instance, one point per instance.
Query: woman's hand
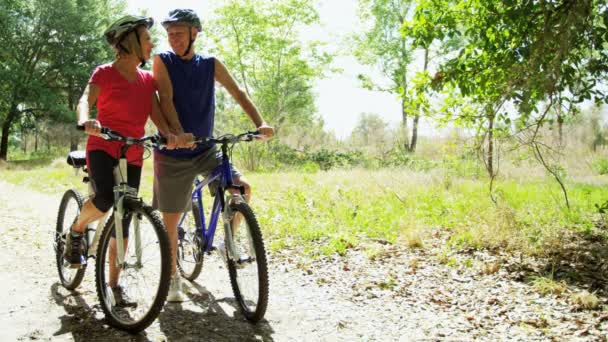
(92, 127)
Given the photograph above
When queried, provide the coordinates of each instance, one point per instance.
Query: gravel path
(398, 295)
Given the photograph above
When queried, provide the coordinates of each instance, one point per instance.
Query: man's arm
(225, 79)
(165, 91)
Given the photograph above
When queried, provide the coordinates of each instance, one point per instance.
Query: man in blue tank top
(186, 85)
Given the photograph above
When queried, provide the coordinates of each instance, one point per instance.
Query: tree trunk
(560, 128)
(36, 139)
(414, 134)
(6, 127)
(414, 141)
(403, 112)
(490, 155)
(404, 124)
(23, 140)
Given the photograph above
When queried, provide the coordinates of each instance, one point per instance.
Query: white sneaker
(175, 290)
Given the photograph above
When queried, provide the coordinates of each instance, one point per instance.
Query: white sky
(340, 99)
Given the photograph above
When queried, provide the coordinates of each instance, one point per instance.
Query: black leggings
(101, 172)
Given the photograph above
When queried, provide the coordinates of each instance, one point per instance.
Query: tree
(372, 134)
(49, 50)
(258, 41)
(383, 45)
(532, 55)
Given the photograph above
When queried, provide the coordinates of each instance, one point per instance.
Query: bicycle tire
(255, 240)
(69, 198)
(189, 246)
(112, 314)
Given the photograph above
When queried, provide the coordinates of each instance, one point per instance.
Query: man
(185, 82)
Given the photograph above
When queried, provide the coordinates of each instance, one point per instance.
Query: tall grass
(330, 212)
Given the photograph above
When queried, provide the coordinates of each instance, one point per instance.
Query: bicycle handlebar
(157, 141)
(153, 141)
(230, 138)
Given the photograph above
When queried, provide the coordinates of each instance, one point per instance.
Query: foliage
(600, 166)
(49, 49)
(258, 41)
(329, 212)
(382, 45)
(528, 53)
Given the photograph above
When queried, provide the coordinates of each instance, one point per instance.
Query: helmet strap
(141, 50)
(190, 43)
(122, 47)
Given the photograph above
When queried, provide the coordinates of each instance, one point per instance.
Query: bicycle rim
(145, 283)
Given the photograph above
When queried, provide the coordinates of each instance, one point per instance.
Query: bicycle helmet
(122, 27)
(184, 16)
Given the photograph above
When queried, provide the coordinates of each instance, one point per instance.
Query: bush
(600, 166)
(327, 159)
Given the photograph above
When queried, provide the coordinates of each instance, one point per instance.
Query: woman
(125, 96)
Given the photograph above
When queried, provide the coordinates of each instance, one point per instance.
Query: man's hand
(185, 140)
(266, 131)
(91, 126)
(171, 141)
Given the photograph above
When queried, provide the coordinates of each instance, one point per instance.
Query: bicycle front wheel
(144, 276)
(69, 210)
(248, 270)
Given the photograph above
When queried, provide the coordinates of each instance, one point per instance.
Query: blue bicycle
(243, 247)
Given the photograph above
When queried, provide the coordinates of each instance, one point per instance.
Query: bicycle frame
(223, 174)
(121, 191)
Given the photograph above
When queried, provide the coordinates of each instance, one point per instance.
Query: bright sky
(340, 99)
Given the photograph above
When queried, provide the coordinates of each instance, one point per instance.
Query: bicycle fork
(122, 192)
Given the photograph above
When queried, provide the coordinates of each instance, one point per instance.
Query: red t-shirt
(122, 106)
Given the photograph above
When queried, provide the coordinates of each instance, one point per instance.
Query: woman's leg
(133, 179)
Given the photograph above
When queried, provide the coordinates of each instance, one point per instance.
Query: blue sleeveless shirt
(193, 97)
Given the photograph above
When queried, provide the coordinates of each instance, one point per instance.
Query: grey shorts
(174, 179)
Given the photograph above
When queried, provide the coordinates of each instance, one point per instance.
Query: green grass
(332, 212)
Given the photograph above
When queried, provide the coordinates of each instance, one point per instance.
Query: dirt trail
(400, 295)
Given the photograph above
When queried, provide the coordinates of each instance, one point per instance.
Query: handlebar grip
(80, 127)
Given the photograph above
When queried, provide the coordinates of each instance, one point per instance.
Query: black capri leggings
(101, 172)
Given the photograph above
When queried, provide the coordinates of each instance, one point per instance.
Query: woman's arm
(85, 104)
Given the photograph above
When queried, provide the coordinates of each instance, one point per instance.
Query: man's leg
(237, 219)
(171, 220)
(173, 179)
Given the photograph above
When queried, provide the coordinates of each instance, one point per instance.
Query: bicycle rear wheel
(249, 272)
(145, 280)
(69, 210)
(189, 245)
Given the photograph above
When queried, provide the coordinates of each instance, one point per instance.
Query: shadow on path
(86, 323)
(204, 318)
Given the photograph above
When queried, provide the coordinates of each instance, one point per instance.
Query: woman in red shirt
(125, 97)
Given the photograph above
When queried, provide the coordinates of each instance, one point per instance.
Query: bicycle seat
(77, 158)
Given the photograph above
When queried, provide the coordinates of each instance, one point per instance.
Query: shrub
(600, 166)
